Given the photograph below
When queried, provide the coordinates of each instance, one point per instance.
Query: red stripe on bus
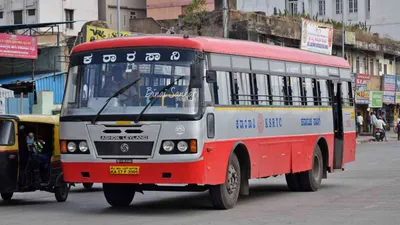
(268, 156)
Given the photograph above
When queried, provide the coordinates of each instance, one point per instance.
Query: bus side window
(295, 85)
(276, 90)
(324, 92)
(243, 88)
(316, 92)
(345, 94)
(263, 89)
(309, 91)
(222, 89)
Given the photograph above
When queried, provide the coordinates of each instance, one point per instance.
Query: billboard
(98, 33)
(18, 46)
(316, 37)
(389, 97)
(389, 83)
(376, 99)
(363, 86)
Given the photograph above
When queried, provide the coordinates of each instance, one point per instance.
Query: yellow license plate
(124, 170)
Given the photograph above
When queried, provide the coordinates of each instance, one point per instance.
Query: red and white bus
(173, 113)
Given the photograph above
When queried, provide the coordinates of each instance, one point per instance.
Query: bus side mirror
(211, 76)
(196, 76)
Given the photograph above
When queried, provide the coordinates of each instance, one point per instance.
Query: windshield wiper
(116, 94)
(151, 102)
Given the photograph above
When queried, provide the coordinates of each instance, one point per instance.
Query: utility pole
(343, 32)
(119, 17)
(225, 18)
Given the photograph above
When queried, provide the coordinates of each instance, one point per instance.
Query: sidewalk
(365, 138)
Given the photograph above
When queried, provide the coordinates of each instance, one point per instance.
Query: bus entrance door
(337, 125)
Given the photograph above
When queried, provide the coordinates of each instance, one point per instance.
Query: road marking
(396, 159)
(374, 163)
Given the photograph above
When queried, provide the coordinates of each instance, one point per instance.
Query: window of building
(133, 15)
(371, 67)
(293, 7)
(321, 7)
(353, 6)
(1, 15)
(368, 3)
(17, 17)
(31, 12)
(358, 64)
(69, 16)
(339, 5)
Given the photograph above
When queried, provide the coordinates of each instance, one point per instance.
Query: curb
(373, 140)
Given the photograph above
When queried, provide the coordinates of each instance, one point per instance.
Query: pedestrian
(368, 122)
(373, 123)
(360, 121)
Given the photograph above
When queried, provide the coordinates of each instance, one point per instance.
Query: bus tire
(87, 185)
(225, 196)
(7, 196)
(293, 181)
(119, 195)
(311, 180)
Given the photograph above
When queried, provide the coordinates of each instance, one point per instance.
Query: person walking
(373, 123)
(360, 121)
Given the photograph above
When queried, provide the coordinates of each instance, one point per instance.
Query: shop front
(362, 87)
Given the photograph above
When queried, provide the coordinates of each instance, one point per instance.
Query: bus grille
(120, 149)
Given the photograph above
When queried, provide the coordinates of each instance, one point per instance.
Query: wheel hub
(232, 180)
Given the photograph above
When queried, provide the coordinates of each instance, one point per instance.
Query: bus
(182, 113)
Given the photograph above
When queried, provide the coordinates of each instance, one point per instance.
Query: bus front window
(89, 86)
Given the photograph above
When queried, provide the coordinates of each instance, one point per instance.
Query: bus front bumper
(148, 173)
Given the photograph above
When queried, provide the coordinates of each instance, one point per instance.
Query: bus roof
(218, 45)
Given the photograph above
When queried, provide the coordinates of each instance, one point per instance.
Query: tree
(195, 14)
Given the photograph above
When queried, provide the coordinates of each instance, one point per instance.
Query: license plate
(124, 170)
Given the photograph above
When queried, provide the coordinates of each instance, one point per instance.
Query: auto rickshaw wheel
(87, 185)
(7, 196)
(61, 192)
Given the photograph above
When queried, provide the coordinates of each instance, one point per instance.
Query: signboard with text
(18, 46)
(363, 86)
(389, 97)
(98, 33)
(376, 99)
(389, 83)
(316, 37)
(397, 97)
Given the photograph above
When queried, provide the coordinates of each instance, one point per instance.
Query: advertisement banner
(389, 83)
(397, 97)
(98, 33)
(316, 37)
(363, 86)
(18, 46)
(397, 83)
(376, 99)
(389, 97)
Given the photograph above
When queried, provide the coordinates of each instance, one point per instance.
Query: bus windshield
(90, 84)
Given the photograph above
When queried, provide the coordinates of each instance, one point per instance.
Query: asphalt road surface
(368, 192)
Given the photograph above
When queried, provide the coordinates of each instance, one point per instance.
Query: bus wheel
(119, 195)
(61, 192)
(311, 180)
(225, 196)
(293, 181)
(87, 185)
(7, 196)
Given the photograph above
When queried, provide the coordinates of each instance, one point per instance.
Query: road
(366, 193)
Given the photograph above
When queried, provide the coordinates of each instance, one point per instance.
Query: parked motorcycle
(379, 135)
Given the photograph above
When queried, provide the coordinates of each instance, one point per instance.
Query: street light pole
(343, 32)
(119, 17)
(225, 18)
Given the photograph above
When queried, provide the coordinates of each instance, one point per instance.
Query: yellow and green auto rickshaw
(30, 156)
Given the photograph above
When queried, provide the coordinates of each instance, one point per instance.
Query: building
(380, 15)
(43, 11)
(130, 9)
(170, 9)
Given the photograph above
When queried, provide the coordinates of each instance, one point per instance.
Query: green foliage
(194, 15)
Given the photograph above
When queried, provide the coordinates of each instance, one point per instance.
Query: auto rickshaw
(21, 168)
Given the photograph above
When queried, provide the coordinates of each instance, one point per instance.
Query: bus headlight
(83, 146)
(168, 146)
(182, 146)
(71, 147)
